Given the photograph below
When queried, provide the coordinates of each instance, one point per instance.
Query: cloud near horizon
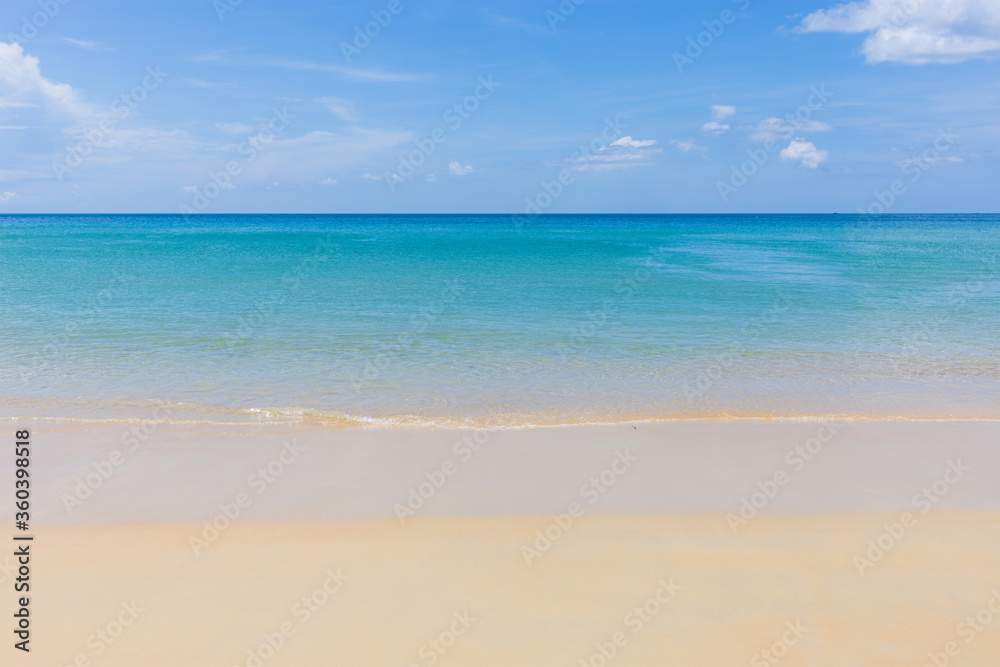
(687, 146)
(624, 153)
(774, 129)
(458, 169)
(562, 105)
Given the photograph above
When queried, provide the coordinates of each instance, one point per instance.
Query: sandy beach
(695, 543)
(500, 334)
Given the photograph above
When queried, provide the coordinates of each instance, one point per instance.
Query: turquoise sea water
(476, 319)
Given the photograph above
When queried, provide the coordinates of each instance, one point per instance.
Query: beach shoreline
(139, 473)
(864, 542)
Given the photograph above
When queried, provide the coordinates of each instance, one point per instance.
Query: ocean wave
(274, 416)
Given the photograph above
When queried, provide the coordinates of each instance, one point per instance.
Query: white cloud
(129, 143)
(457, 169)
(306, 159)
(714, 128)
(805, 153)
(504, 21)
(628, 142)
(356, 73)
(916, 31)
(924, 161)
(774, 129)
(7, 196)
(623, 153)
(217, 56)
(201, 83)
(21, 175)
(88, 45)
(686, 146)
(22, 83)
(771, 129)
(227, 57)
(722, 111)
(236, 128)
(811, 126)
(430, 178)
(328, 181)
(313, 156)
(341, 108)
(225, 186)
(370, 177)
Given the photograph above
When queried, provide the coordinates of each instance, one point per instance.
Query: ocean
(485, 322)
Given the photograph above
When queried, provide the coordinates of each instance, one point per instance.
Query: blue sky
(603, 106)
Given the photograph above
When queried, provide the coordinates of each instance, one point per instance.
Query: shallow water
(478, 320)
